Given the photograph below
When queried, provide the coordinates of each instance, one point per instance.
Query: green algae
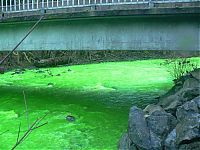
(98, 95)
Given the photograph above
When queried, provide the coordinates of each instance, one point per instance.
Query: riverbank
(171, 124)
(55, 58)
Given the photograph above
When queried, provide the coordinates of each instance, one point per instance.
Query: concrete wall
(117, 33)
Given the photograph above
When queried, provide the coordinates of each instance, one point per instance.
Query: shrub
(178, 67)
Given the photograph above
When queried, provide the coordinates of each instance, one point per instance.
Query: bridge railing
(33, 5)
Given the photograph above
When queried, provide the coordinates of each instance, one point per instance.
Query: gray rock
(156, 141)
(161, 123)
(171, 103)
(151, 108)
(190, 93)
(196, 73)
(191, 83)
(170, 142)
(197, 101)
(190, 146)
(186, 110)
(188, 129)
(2, 70)
(125, 143)
(138, 131)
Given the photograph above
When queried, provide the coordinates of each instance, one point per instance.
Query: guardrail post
(32, 4)
(62, 3)
(151, 4)
(42, 4)
(2, 7)
(10, 5)
(6, 5)
(37, 5)
(15, 5)
(19, 3)
(27, 4)
(23, 4)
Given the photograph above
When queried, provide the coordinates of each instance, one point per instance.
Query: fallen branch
(27, 133)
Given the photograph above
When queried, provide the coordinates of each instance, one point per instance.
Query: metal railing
(33, 5)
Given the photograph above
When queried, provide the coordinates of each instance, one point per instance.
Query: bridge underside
(112, 33)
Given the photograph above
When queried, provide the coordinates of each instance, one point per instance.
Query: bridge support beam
(117, 33)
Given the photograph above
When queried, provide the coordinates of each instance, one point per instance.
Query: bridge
(101, 24)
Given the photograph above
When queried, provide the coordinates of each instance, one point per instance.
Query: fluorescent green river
(97, 95)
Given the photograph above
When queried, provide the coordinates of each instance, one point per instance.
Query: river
(99, 96)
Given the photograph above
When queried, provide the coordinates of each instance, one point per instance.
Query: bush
(178, 67)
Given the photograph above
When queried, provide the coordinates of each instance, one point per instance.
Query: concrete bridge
(101, 24)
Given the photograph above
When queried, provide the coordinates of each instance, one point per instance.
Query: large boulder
(137, 130)
(188, 129)
(187, 110)
(161, 123)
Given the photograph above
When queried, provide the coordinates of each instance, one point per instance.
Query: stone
(196, 73)
(2, 70)
(170, 141)
(138, 131)
(186, 110)
(173, 124)
(197, 101)
(190, 146)
(190, 93)
(156, 141)
(161, 123)
(70, 118)
(191, 83)
(125, 143)
(151, 108)
(188, 129)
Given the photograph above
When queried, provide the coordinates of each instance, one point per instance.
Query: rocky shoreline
(172, 124)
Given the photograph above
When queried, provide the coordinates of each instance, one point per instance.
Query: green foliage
(178, 67)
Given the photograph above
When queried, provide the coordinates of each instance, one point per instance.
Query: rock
(190, 146)
(173, 124)
(170, 142)
(191, 83)
(196, 73)
(40, 71)
(151, 108)
(2, 70)
(161, 123)
(190, 93)
(125, 143)
(156, 141)
(171, 103)
(70, 118)
(188, 129)
(197, 101)
(187, 110)
(50, 84)
(138, 131)
(18, 71)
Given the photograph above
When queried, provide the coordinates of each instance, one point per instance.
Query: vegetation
(178, 67)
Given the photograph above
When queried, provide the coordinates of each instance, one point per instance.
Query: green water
(98, 95)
